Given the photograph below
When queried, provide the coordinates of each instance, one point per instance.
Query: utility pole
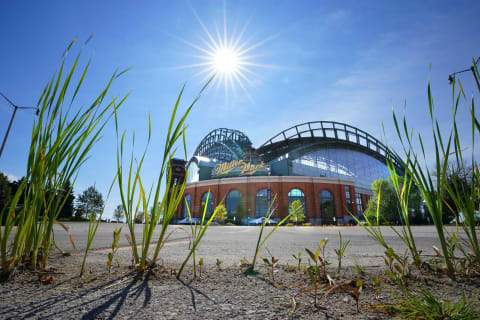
(451, 77)
(15, 108)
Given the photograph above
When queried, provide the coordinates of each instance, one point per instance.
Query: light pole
(15, 108)
(451, 77)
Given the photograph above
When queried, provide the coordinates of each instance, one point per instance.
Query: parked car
(192, 221)
(259, 221)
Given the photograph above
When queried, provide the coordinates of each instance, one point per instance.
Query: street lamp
(15, 108)
(451, 77)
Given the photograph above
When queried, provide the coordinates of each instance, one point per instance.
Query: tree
(389, 208)
(89, 202)
(118, 213)
(221, 214)
(67, 209)
(459, 177)
(239, 213)
(5, 192)
(140, 217)
(297, 212)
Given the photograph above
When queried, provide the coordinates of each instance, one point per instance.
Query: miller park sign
(239, 168)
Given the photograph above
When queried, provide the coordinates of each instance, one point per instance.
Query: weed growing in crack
(341, 251)
(116, 237)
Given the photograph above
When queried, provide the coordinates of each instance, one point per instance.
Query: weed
(200, 266)
(357, 291)
(164, 203)
(261, 241)
(341, 251)
(198, 231)
(60, 145)
(315, 278)
(361, 270)
(116, 238)
(422, 304)
(320, 261)
(270, 266)
(219, 264)
(298, 257)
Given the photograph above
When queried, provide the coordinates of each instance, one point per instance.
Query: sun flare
(226, 60)
(229, 56)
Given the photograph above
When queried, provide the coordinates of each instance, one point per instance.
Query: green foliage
(67, 195)
(298, 257)
(5, 192)
(297, 213)
(389, 208)
(165, 203)
(422, 304)
(433, 184)
(89, 202)
(341, 251)
(261, 241)
(116, 238)
(361, 270)
(118, 213)
(239, 213)
(62, 137)
(198, 231)
(221, 213)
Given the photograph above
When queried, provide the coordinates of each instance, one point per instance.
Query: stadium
(328, 166)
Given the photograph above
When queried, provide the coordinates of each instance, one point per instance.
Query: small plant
(93, 224)
(116, 238)
(378, 288)
(166, 202)
(62, 137)
(397, 266)
(200, 266)
(298, 257)
(422, 304)
(198, 231)
(403, 190)
(270, 265)
(261, 241)
(341, 251)
(219, 264)
(357, 291)
(320, 261)
(315, 278)
(361, 270)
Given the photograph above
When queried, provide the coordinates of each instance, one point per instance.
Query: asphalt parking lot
(232, 243)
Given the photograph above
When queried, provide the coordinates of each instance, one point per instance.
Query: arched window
(233, 203)
(327, 206)
(187, 202)
(209, 205)
(297, 194)
(263, 201)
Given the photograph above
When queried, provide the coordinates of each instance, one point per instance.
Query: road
(232, 243)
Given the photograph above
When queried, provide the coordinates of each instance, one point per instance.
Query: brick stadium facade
(328, 166)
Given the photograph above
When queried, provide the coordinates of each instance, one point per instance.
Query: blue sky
(346, 61)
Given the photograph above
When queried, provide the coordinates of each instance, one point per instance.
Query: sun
(229, 57)
(226, 60)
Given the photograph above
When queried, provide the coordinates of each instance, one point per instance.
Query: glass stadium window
(187, 200)
(234, 199)
(296, 194)
(262, 202)
(209, 211)
(327, 206)
(354, 165)
(359, 204)
(349, 198)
